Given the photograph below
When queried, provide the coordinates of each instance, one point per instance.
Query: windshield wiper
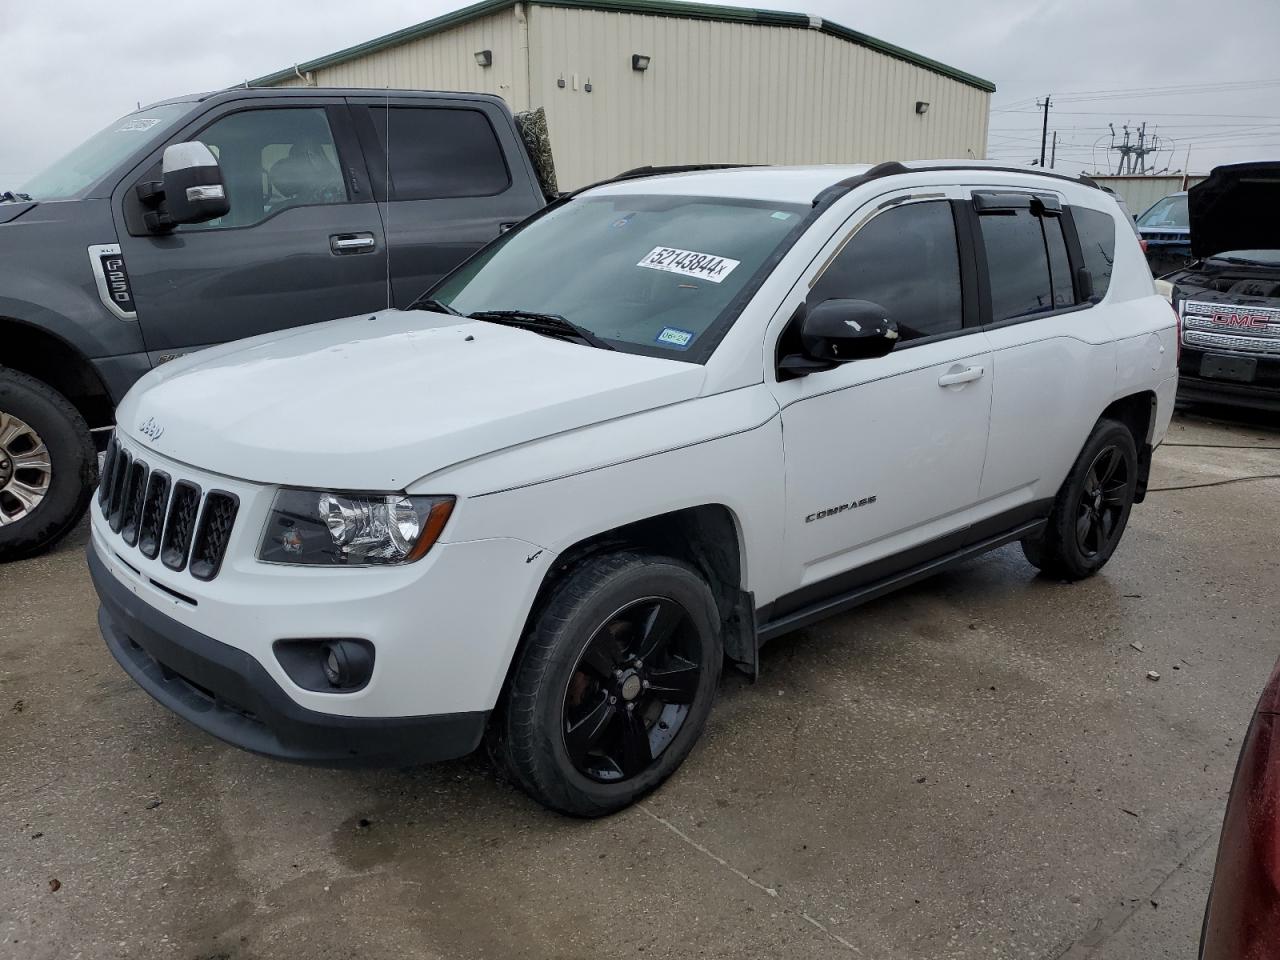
(548, 324)
(437, 306)
(8, 196)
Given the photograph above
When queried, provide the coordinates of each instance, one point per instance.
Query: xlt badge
(832, 511)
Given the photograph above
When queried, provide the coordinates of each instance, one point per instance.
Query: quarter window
(907, 261)
(272, 160)
(436, 152)
(1097, 232)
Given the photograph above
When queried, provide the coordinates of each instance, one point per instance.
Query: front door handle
(958, 375)
(351, 242)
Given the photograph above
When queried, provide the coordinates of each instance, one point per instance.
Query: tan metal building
(632, 82)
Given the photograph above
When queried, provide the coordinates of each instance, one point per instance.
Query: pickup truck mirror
(838, 331)
(190, 190)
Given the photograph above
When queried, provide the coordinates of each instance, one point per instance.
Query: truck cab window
(274, 159)
(438, 152)
(906, 260)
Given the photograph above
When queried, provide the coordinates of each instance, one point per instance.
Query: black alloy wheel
(1091, 510)
(1104, 503)
(630, 692)
(613, 684)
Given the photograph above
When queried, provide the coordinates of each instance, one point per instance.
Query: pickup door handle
(958, 375)
(351, 242)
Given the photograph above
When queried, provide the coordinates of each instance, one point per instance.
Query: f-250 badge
(832, 511)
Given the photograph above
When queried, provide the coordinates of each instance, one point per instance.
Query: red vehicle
(1242, 919)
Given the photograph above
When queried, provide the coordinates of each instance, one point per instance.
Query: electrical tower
(1133, 155)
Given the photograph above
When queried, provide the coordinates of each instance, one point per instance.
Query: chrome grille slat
(1229, 341)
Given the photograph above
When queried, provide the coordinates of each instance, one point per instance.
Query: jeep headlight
(351, 529)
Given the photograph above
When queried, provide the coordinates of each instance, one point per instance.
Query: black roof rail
(892, 168)
(650, 171)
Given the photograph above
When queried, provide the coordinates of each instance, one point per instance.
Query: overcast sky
(69, 67)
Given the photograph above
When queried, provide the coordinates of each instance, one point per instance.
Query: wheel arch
(57, 363)
(1137, 411)
(707, 536)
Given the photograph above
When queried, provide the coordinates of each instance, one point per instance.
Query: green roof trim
(657, 8)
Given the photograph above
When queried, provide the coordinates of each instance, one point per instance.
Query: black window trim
(355, 176)
(1075, 258)
(384, 186)
(969, 306)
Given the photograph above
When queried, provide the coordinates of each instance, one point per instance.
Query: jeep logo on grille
(149, 428)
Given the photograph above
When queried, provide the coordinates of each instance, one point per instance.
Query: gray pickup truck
(314, 204)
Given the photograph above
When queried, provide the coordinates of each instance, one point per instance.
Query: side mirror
(838, 331)
(191, 188)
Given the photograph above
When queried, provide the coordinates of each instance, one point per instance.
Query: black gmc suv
(1228, 299)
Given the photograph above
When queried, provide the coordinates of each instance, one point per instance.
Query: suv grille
(172, 520)
(1240, 328)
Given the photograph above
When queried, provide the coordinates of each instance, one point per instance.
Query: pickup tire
(1092, 507)
(614, 684)
(48, 465)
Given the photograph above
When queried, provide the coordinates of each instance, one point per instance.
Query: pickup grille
(1238, 328)
(166, 518)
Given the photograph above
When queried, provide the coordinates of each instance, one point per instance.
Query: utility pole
(1053, 154)
(1044, 129)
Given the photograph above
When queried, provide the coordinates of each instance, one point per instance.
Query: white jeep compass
(657, 424)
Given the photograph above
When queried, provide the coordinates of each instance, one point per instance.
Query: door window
(273, 159)
(1097, 232)
(1017, 264)
(434, 152)
(906, 260)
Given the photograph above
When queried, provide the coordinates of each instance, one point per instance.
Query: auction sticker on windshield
(689, 263)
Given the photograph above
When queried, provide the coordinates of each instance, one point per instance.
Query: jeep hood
(377, 402)
(1236, 208)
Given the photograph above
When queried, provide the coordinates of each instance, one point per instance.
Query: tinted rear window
(1097, 232)
(1017, 264)
(437, 152)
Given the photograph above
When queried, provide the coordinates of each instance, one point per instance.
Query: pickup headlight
(351, 529)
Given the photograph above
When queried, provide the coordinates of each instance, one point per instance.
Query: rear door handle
(351, 242)
(957, 375)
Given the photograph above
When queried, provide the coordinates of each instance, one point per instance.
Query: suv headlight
(351, 529)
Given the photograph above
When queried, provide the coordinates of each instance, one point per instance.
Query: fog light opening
(346, 664)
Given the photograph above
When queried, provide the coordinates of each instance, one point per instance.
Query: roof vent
(815, 23)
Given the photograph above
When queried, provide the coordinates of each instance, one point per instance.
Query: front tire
(1092, 507)
(48, 466)
(614, 686)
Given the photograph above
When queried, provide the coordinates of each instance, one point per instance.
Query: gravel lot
(976, 767)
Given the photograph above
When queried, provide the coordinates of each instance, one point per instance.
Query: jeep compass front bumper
(226, 692)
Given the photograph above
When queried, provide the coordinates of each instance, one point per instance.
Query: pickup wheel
(614, 685)
(1092, 508)
(48, 465)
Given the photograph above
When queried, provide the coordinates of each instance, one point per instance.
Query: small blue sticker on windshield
(675, 337)
(622, 221)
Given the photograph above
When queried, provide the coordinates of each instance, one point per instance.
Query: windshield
(650, 274)
(1169, 212)
(84, 166)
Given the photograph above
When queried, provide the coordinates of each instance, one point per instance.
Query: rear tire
(1092, 507)
(614, 685)
(48, 466)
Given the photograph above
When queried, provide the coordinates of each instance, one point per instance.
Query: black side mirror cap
(835, 332)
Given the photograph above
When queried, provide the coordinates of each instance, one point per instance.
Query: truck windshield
(1169, 212)
(656, 274)
(68, 178)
